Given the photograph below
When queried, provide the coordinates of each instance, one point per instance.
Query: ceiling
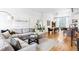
(48, 10)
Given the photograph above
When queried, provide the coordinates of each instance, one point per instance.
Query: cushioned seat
(5, 46)
(23, 43)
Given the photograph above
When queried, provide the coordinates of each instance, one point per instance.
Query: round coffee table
(33, 38)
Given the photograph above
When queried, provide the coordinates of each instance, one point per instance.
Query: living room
(39, 29)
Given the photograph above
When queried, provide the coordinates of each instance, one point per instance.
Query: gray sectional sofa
(21, 36)
(5, 43)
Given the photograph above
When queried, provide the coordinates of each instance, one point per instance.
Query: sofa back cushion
(17, 31)
(25, 30)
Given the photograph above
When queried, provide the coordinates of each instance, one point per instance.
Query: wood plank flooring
(66, 46)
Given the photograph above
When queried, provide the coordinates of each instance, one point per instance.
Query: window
(62, 21)
(5, 20)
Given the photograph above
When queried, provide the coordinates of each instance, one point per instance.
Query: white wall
(22, 14)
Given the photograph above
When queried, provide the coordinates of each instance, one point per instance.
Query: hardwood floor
(66, 46)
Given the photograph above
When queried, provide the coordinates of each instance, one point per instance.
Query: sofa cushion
(26, 30)
(15, 44)
(18, 31)
(5, 46)
(6, 35)
(22, 43)
(32, 47)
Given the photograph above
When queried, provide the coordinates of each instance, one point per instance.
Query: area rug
(47, 45)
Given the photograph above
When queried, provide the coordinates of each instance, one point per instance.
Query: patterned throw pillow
(15, 44)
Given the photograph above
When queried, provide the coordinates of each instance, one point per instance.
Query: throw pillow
(6, 34)
(15, 44)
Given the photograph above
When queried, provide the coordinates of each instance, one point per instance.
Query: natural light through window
(5, 20)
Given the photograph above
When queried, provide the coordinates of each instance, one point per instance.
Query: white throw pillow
(6, 35)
